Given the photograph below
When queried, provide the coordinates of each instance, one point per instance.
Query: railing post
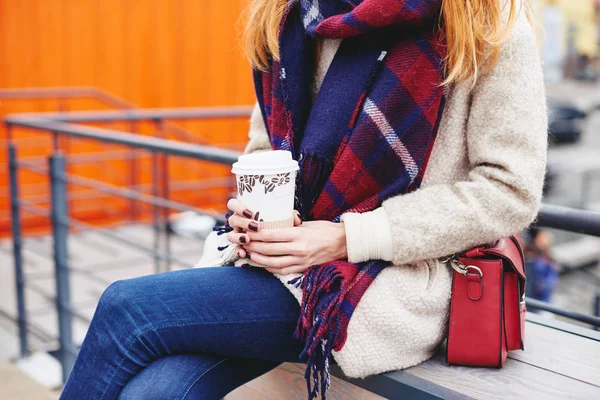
(597, 307)
(60, 230)
(155, 212)
(133, 175)
(165, 194)
(15, 215)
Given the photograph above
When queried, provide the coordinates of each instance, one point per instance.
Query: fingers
(237, 207)
(242, 253)
(242, 219)
(275, 235)
(274, 261)
(243, 223)
(273, 248)
(294, 269)
(238, 238)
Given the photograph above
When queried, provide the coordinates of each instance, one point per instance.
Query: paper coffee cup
(266, 183)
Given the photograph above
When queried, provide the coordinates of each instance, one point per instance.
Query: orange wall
(152, 53)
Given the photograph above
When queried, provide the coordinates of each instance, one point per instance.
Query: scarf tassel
(319, 324)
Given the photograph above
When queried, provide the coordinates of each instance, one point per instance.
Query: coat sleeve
(506, 136)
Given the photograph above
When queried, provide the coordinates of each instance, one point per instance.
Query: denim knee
(117, 296)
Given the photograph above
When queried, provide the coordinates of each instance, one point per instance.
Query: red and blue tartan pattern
(366, 137)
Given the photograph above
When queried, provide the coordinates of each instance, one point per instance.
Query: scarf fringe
(225, 228)
(322, 298)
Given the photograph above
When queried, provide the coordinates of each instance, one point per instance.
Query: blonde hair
(474, 31)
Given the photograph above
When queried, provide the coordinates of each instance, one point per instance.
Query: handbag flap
(510, 250)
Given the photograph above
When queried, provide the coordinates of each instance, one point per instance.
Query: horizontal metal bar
(145, 114)
(33, 209)
(90, 270)
(96, 94)
(90, 274)
(122, 192)
(569, 219)
(44, 310)
(194, 151)
(52, 298)
(36, 329)
(84, 158)
(64, 93)
(120, 239)
(540, 305)
(135, 195)
(36, 167)
(93, 194)
(564, 326)
(88, 227)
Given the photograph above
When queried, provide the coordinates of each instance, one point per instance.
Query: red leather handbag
(487, 311)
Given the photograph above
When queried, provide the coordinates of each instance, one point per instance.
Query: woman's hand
(245, 220)
(293, 250)
(287, 250)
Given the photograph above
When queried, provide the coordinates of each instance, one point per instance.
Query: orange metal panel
(152, 53)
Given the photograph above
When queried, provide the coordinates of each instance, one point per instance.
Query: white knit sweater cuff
(368, 236)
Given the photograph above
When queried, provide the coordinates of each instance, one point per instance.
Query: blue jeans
(193, 334)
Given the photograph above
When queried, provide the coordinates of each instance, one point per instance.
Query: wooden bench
(561, 361)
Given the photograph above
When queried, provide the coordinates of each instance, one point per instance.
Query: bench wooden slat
(558, 351)
(516, 380)
(556, 365)
(287, 382)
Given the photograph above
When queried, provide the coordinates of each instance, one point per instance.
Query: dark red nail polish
(253, 226)
(247, 213)
(243, 239)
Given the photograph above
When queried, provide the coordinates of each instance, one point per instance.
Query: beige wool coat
(484, 181)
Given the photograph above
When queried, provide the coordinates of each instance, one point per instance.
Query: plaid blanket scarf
(366, 137)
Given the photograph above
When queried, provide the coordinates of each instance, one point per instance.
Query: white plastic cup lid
(265, 163)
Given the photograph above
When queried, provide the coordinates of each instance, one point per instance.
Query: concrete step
(16, 385)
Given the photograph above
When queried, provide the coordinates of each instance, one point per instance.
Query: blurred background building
(572, 36)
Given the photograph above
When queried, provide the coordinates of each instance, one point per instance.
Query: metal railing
(64, 124)
(59, 124)
(62, 96)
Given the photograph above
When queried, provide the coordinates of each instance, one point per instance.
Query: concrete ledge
(15, 385)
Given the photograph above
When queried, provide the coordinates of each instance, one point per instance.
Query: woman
(420, 128)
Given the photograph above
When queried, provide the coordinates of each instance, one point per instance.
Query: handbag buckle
(461, 268)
